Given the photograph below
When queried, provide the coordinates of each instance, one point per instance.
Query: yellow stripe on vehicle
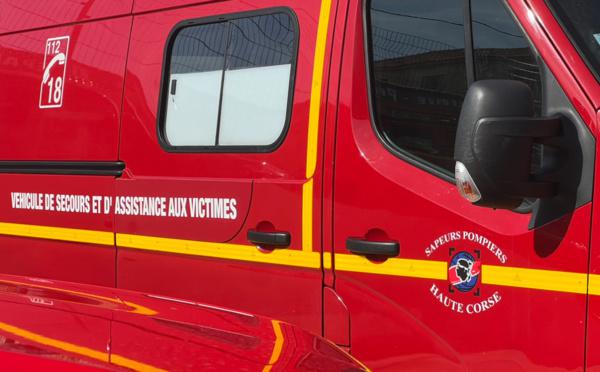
(594, 284)
(516, 277)
(314, 117)
(121, 361)
(76, 349)
(548, 280)
(288, 257)
(277, 345)
(57, 233)
(327, 258)
(393, 266)
(307, 216)
(317, 89)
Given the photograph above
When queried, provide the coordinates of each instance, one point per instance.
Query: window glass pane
(196, 68)
(257, 80)
(580, 20)
(501, 49)
(419, 75)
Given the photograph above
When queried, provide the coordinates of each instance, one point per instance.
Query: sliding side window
(229, 84)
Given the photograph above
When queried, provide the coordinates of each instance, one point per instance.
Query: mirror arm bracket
(520, 127)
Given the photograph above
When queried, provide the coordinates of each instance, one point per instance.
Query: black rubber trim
(279, 239)
(469, 47)
(99, 168)
(371, 248)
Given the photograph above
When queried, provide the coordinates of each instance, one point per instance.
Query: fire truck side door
(431, 281)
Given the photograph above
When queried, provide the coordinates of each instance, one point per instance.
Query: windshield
(580, 20)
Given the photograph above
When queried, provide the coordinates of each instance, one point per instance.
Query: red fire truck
(300, 160)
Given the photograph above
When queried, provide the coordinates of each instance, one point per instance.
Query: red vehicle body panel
(404, 308)
(67, 259)
(329, 180)
(153, 5)
(64, 325)
(593, 316)
(266, 186)
(88, 125)
(31, 14)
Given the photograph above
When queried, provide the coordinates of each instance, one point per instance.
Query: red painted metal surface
(85, 128)
(108, 112)
(87, 125)
(23, 362)
(158, 5)
(398, 322)
(184, 226)
(48, 324)
(336, 318)
(593, 318)
(267, 186)
(71, 261)
(20, 15)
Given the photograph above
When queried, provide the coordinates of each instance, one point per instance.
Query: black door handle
(372, 248)
(279, 239)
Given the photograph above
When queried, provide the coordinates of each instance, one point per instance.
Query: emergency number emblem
(52, 89)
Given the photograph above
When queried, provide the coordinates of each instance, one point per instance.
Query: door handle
(279, 239)
(364, 247)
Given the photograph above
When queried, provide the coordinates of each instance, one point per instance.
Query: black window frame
(166, 73)
(470, 74)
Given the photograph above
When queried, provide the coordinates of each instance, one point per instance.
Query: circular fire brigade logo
(461, 290)
(464, 271)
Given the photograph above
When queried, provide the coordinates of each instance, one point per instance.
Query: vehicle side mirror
(497, 151)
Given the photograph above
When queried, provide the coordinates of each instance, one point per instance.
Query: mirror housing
(500, 162)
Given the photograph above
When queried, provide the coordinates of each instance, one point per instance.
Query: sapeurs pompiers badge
(463, 293)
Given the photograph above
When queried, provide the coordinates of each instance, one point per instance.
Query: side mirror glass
(499, 161)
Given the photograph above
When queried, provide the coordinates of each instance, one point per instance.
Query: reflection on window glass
(255, 92)
(580, 20)
(501, 50)
(261, 41)
(419, 75)
(197, 61)
(229, 82)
